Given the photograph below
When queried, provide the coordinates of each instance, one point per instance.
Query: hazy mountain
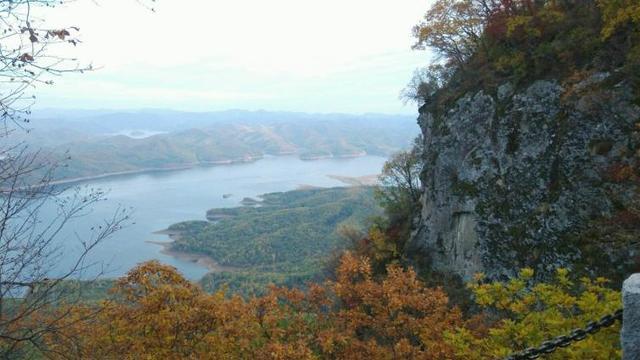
(105, 122)
(102, 142)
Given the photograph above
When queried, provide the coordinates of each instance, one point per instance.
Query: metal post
(630, 337)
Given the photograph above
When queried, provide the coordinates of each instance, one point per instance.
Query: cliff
(527, 176)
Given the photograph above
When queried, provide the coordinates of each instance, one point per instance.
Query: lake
(160, 199)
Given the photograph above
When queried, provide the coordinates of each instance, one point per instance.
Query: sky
(348, 56)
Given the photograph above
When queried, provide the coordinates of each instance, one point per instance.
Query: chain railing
(554, 344)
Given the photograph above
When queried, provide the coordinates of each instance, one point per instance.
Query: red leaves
(620, 172)
(497, 25)
(60, 34)
(26, 57)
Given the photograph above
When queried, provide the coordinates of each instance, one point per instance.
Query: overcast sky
(293, 55)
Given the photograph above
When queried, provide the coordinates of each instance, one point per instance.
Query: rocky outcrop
(509, 175)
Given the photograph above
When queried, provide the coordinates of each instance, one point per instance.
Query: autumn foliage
(156, 314)
(483, 43)
(527, 313)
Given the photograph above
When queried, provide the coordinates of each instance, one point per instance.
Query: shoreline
(193, 166)
(201, 260)
(152, 170)
(332, 156)
(364, 180)
(210, 263)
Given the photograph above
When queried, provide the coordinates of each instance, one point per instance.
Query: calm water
(161, 199)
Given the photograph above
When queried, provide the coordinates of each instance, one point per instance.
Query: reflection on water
(160, 199)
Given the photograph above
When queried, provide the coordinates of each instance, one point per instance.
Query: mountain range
(98, 143)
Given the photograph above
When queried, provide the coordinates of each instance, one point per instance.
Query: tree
(453, 28)
(25, 56)
(29, 55)
(457, 29)
(30, 248)
(398, 194)
(621, 18)
(425, 84)
(395, 318)
(400, 187)
(156, 313)
(520, 40)
(31, 285)
(617, 14)
(529, 313)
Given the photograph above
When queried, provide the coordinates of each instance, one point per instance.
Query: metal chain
(552, 345)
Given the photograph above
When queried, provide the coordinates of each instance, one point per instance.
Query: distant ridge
(104, 142)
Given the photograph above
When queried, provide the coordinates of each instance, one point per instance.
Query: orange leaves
(380, 318)
(150, 277)
(620, 172)
(158, 314)
(162, 314)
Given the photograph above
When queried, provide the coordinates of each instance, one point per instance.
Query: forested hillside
(93, 144)
(287, 239)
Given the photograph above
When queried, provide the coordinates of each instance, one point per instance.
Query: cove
(159, 199)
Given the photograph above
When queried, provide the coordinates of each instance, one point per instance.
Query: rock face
(508, 175)
(631, 321)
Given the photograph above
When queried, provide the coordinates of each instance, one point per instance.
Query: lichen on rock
(509, 176)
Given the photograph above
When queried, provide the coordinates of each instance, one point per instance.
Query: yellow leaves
(483, 297)
(478, 277)
(157, 314)
(535, 312)
(617, 13)
(526, 273)
(452, 28)
(515, 60)
(461, 341)
(562, 277)
(383, 248)
(522, 24)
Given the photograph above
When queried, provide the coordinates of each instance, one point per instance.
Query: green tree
(398, 194)
(400, 187)
(425, 84)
